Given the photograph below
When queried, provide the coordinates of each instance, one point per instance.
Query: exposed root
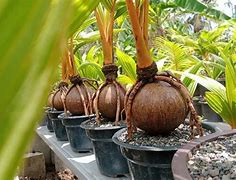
(77, 81)
(194, 118)
(118, 103)
(62, 89)
(53, 97)
(96, 102)
(83, 100)
(90, 108)
(128, 93)
(63, 98)
(89, 81)
(110, 71)
(131, 96)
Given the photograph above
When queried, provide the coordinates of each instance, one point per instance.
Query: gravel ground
(178, 137)
(214, 160)
(52, 175)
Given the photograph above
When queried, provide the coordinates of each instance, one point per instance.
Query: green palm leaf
(127, 64)
(176, 54)
(81, 10)
(32, 36)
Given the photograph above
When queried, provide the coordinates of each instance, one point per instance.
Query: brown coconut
(57, 101)
(73, 101)
(50, 98)
(158, 108)
(107, 101)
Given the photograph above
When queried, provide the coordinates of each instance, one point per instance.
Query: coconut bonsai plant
(108, 101)
(164, 89)
(57, 106)
(77, 103)
(156, 104)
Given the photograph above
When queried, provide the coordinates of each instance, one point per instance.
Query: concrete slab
(83, 165)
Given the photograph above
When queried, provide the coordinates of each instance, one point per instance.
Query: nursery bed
(83, 165)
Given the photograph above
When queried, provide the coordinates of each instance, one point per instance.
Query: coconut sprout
(109, 98)
(58, 96)
(158, 102)
(78, 98)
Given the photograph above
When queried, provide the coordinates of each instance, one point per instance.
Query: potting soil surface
(176, 138)
(103, 124)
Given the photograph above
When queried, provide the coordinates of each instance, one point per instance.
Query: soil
(103, 124)
(176, 138)
(52, 175)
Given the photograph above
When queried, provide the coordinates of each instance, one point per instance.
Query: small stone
(183, 140)
(233, 175)
(206, 159)
(226, 177)
(181, 126)
(190, 162)
(214, 172)
(212, 155)
(221, 137)
(205, 172)
(228, 165)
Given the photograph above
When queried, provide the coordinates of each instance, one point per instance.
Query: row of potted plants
(155, 107)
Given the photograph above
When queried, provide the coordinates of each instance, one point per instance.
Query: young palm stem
(140, 33)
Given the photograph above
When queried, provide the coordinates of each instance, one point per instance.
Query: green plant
(30, 50)
(149, 103)
(109, 98)
(222, 99)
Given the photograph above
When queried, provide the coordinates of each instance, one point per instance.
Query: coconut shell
(50, 98)
(57, 101)
(158, 108)
(73, 101)
(107, 101)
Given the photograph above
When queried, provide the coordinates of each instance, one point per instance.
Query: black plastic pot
(59, 128)
(44, 120)
(108, 156)
(200, 90)
(208, 113)
(221, 80)
(197, 91)
(48, 121)
(151, 163)
(79, 142)
(203, 90)
(196, 105)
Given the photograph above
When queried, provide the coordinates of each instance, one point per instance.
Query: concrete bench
(83, 165)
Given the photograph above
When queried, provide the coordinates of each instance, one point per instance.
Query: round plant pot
(221, 80)
(181, 157)
(79, 142)
(151, 163)
(44, 120)
(59, 128)
(202, 90)
(108, 155)
(48, 121)
(196, 105)
(208, 113)
(197, 91)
